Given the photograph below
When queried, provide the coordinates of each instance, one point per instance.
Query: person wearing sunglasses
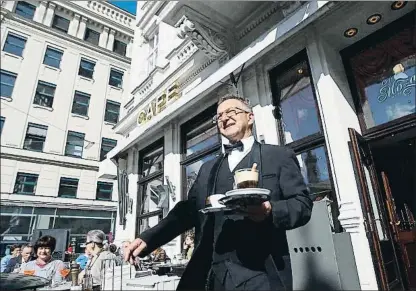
(234, 252)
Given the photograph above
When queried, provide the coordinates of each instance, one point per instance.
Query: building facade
(334, 81)
(65, 69)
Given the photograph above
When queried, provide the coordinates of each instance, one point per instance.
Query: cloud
(398, 110)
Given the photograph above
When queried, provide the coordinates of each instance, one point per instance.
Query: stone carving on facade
(213, 43)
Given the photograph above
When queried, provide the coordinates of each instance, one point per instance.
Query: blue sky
(129, 6)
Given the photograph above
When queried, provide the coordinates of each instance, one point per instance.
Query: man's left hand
(259, 213)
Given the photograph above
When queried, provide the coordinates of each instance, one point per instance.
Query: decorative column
(40, 11)
(104, 37)
(129, 50)
(49, 14)
(110, 42)
(82, 27)
(73, 26)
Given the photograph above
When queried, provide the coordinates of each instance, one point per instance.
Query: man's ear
(251, 118)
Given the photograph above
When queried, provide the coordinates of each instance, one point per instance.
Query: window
(382, 73)
(2, 120)
(53, 57)
(86, 69)
(152, 57)
(91, 36)
(200, 143)
(152, 196)
(119, 47)
(25, 183)
(45, 93)
(81, 103)
(68, 188)
(7, 80)
(112, 111)
(14, 44)
(116, 78)
(74, 144)
(106, 146)
(299, 124)
(60, 23)
(35, 137)
(104, 191)
(25, 9)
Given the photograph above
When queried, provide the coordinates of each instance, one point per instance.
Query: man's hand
(133, 250)
(259, 213)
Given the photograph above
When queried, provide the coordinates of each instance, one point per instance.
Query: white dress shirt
(236, 156)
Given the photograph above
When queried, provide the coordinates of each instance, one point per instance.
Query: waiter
(234, 252)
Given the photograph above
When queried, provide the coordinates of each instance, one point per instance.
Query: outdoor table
(15, 281)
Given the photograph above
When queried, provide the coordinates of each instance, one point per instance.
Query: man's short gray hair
(96, 235)
(243, 100)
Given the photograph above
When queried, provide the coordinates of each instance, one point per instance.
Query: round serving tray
(214, 209)
(245, 197)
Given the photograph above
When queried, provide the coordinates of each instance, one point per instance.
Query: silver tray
(214, 209)
(244, 197)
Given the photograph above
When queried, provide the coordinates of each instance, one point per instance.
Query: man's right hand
(134, 250)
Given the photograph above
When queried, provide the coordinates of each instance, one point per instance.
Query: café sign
(158, 104)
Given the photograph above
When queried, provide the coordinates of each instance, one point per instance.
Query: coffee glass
(246, 178)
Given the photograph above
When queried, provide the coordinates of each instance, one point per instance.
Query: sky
(129, 6)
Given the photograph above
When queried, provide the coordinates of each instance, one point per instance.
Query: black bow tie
(228, 148)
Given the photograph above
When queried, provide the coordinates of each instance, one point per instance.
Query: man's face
(233, 120)
(26, 252)
(16, 252)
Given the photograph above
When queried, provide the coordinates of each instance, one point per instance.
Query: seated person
(188, 246)
(25, 257)
(82, 260)
(14, 252)
(94, 245)
(44, 265)
(159, 255)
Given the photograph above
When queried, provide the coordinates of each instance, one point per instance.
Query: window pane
(116, 78)
(15, 224)
(2, 120)
(119, 47)
(314, 168)
(91, 36)
(202, 137)
(68, 188)
(112, 111)
(104, 191)
(14, 45)
(25, 9)
(7, 80)
(86, 69)
(74, 144)
(80, 104)
(82, 225)
(60, 23)
(53, 57)
(297, 103)
(35, 137)
(44, 94)
(192, 170)
(152, 194)
(106, 146)
(385, 75)
(152, 162)
(25, 183)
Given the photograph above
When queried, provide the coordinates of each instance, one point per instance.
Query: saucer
(244, 197)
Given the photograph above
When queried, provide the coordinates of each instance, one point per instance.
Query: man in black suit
(234, 252)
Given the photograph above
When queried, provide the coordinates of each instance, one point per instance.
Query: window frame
(10, 74)
(54, 26)
(63, 180)
(2, 123)
(37, 138)
(6, 43)
(28, 5)
(38, 95)
(107, 111)
(91, 32)
(112, 78)
(121, 53)
(143, 180)
(76, 103)
(185, 128)
(312, 141)
(45, 57)
(153, 52)
(34, 184)
(103, 140)
(82, 69)
(78, 134)
(379, 36)
(98, 190)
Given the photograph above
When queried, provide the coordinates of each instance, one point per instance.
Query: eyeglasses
(88, 242)
(230, 112)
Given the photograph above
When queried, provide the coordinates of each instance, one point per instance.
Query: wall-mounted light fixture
(351, 32)
(396, 5)
(373, 19)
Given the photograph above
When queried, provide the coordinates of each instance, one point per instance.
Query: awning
(281, 31)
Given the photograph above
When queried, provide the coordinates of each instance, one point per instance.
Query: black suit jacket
(291, 208)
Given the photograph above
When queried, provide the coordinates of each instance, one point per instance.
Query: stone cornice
(213, 41)
(22, 22)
